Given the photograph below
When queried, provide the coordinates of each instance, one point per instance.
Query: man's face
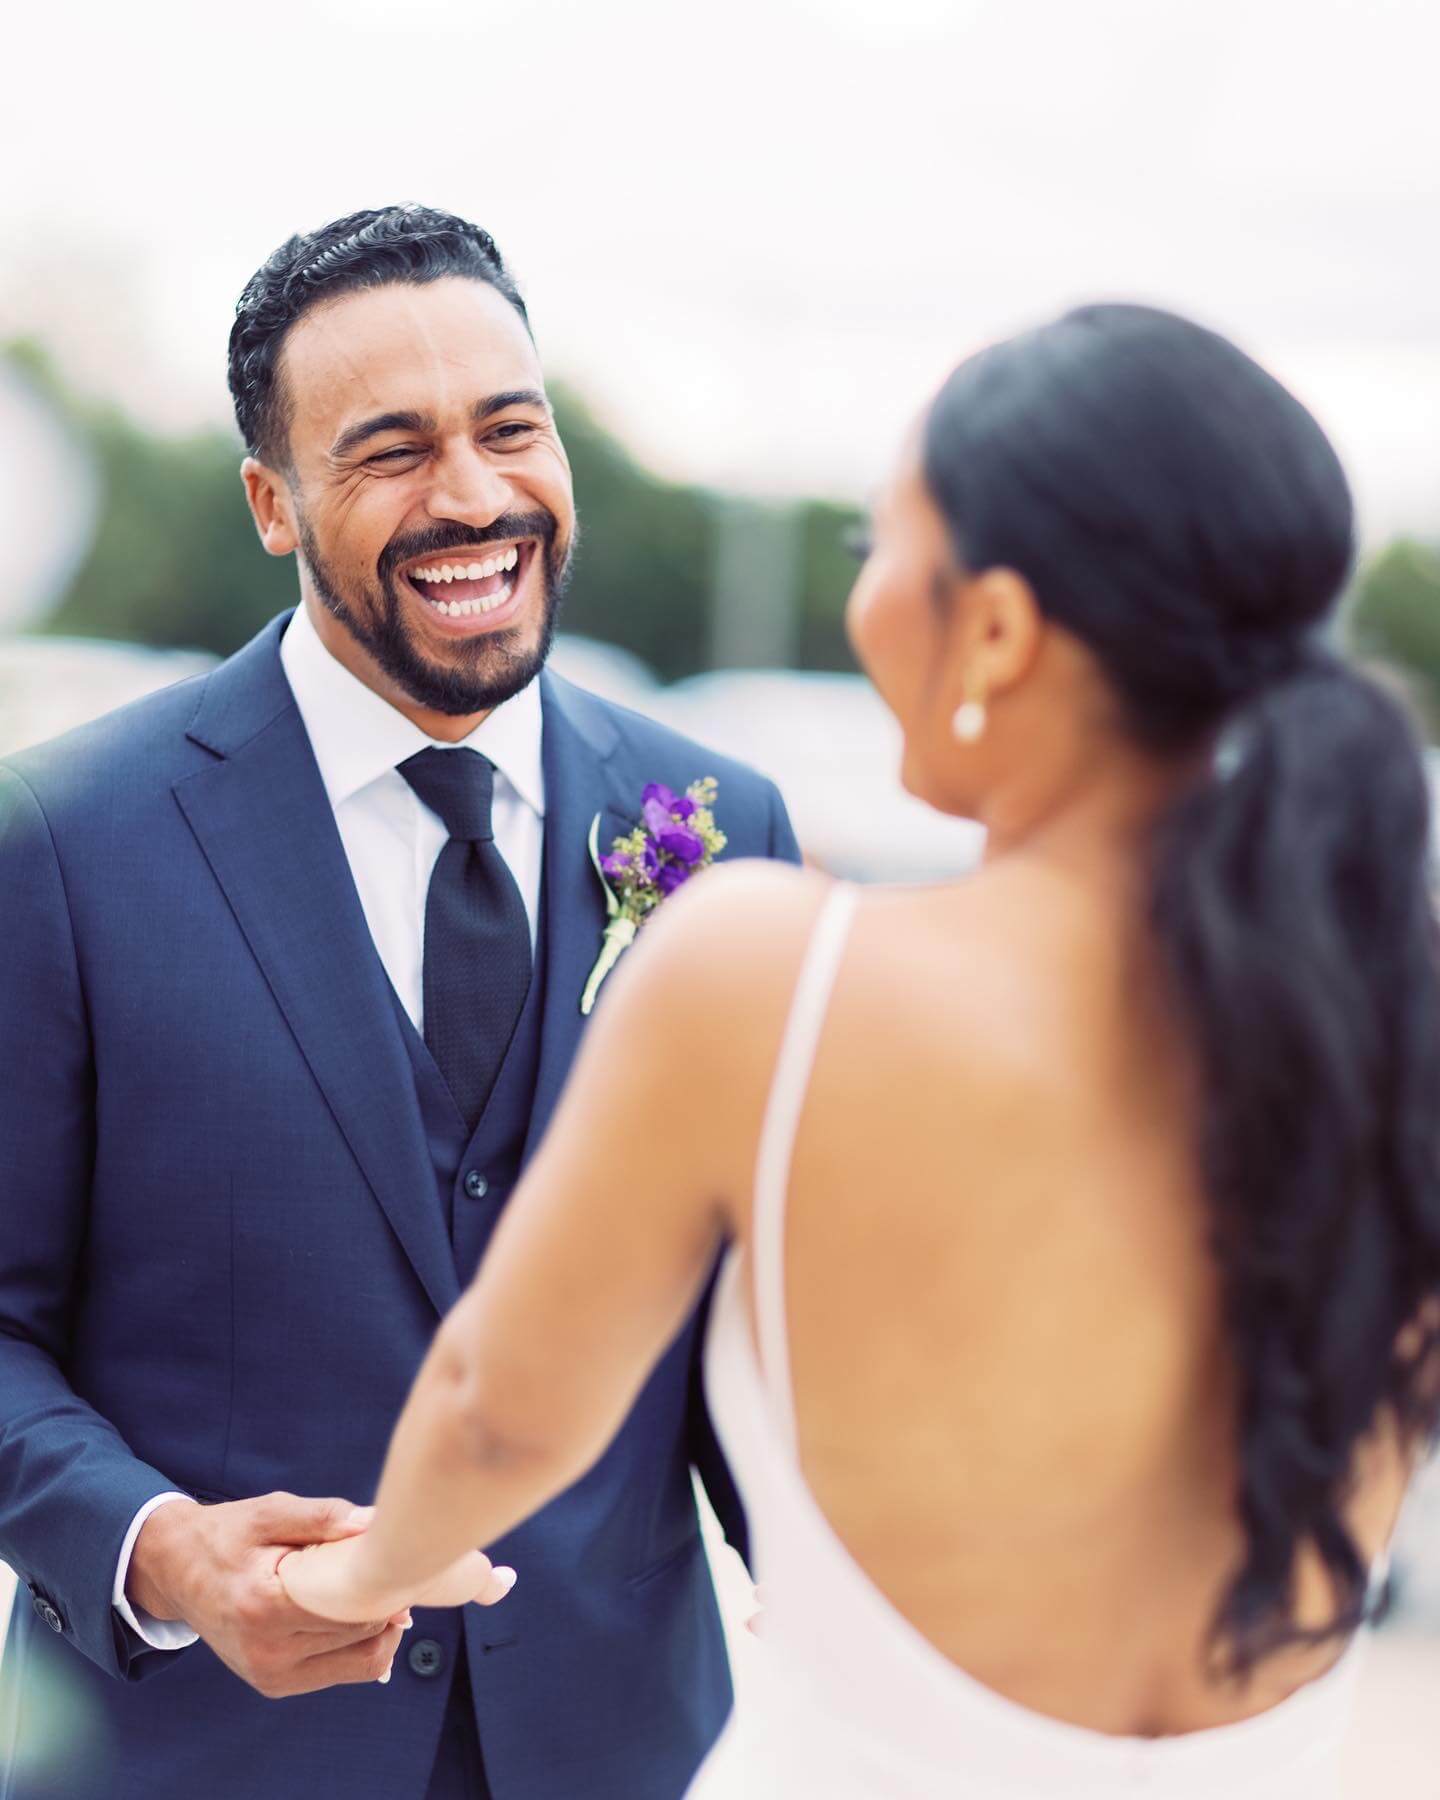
(432, 494)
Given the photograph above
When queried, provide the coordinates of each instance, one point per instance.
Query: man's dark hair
(371, 249)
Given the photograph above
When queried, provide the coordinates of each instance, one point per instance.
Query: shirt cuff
(159, 1634)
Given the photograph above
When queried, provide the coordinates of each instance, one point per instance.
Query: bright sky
(756, 233)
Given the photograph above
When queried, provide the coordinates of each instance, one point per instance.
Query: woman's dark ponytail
(1179, 512)
(1293, 913)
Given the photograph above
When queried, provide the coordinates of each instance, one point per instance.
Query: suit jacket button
(426, 1658)
(48, 1613)
(476, 1186)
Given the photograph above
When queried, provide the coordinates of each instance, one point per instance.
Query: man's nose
(468, 487)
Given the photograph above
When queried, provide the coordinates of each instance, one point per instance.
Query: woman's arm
(599, 1260)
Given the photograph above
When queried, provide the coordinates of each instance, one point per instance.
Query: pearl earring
(969, 722)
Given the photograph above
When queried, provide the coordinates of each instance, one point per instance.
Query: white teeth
(475, 571)
(469, 609)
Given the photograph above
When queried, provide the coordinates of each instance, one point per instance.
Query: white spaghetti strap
(788, 1088)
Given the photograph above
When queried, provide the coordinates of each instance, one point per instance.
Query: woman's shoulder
(731, 934)
(959, 965)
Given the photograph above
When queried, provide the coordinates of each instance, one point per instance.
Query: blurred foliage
(829, 568)
(1394, 616)
(175, 560)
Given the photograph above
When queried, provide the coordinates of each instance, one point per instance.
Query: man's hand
(214, 1568)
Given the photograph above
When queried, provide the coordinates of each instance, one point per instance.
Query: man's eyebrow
(483, 409)
(356, 435)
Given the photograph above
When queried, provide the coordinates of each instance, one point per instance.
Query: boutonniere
(676, 838)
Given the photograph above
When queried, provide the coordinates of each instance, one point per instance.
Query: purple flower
(682, 843)
(656, 816)
(672, 876)
(684, 807)
(651, 862)
(617, 864)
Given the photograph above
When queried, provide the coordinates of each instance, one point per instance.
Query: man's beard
(487, 670)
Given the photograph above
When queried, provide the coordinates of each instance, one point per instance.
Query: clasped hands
(278, 1587)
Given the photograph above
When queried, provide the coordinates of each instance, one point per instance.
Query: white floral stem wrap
(619, 933)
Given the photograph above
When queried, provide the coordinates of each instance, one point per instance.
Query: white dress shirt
(392, 842)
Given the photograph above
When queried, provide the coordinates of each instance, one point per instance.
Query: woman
(1077, 1333)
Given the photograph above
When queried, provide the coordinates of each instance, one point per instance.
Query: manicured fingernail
(360, 1515)
(407, 1622)
(506, 1577)
(388, 1673)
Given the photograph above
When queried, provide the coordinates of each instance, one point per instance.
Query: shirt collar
(357, 737)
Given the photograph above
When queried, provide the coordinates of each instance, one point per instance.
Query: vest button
(426, 1658)
(476, 1186)
(48, 1613)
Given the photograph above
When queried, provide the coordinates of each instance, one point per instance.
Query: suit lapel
(581, 779)
(262, 818)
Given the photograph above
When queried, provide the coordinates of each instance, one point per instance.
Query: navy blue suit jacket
(221, 1263)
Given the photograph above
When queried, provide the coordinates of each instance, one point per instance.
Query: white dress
(847, 1700)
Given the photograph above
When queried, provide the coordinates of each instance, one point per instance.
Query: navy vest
(475, 1173)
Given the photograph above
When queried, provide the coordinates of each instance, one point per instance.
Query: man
(293, 958)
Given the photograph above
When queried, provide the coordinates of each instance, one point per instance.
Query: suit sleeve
(69, 1486)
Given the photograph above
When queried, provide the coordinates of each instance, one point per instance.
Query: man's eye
(514, 428)
(394, 455)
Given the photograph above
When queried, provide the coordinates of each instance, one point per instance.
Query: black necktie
(477, 933)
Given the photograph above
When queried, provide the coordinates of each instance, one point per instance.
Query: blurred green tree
(175, 560)
(643, 569)
(1393, 615)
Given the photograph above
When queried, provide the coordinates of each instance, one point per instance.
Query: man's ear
(270, 506)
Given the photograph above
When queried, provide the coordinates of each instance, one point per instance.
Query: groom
(291, 960)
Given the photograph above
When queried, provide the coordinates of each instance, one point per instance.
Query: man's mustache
(447, 534)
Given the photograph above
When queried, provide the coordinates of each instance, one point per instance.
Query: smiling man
(294, 959)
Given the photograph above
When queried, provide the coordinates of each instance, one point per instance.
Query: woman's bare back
(1012, 1382)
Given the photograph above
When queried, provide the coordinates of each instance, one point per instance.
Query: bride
(1076, 1334)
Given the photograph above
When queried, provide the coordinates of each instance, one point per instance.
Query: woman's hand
(473, 1578)
(334, 1581)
